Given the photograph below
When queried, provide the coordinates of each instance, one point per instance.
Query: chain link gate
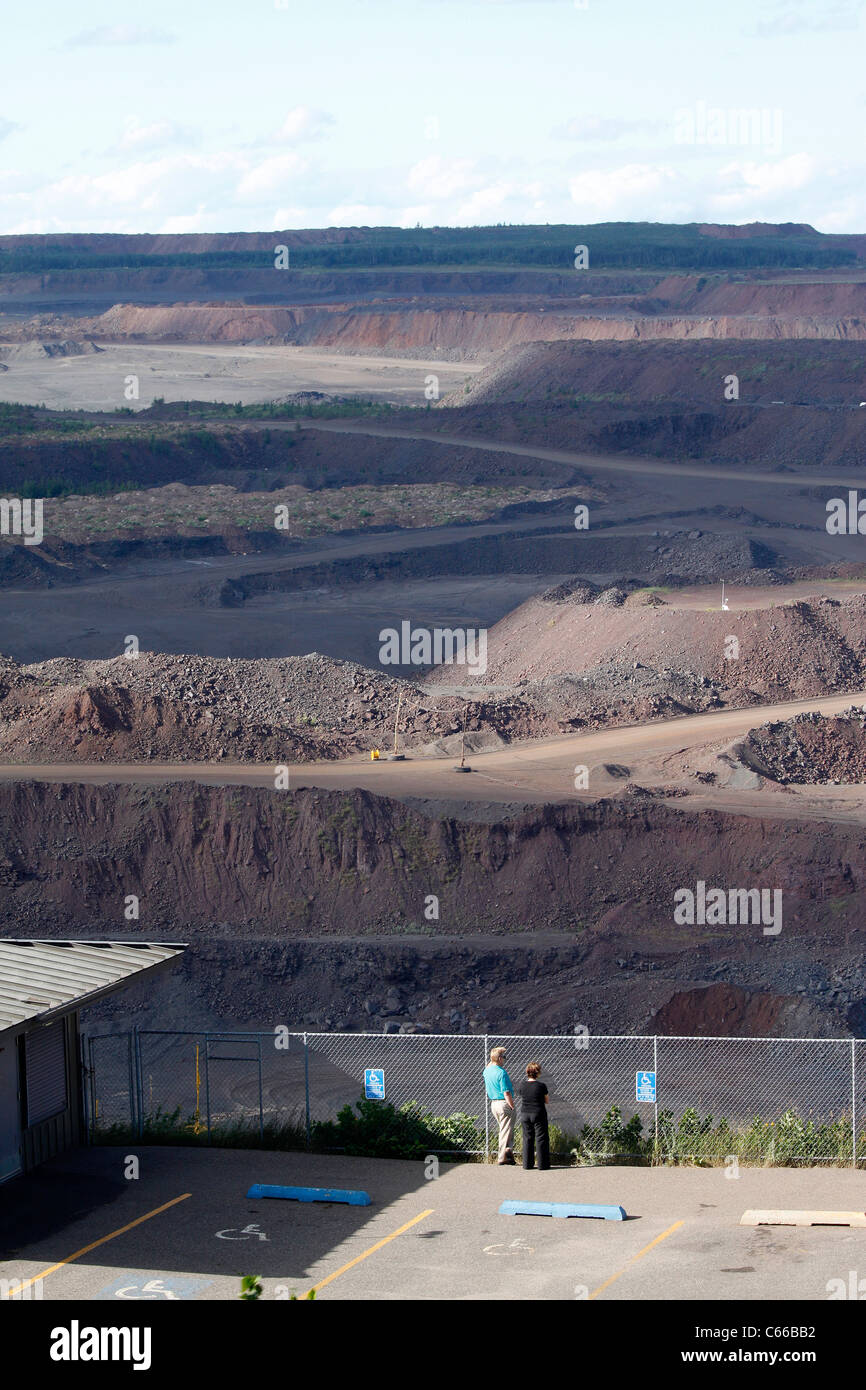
(110, 1088)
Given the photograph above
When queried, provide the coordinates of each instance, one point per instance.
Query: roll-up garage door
(45, 1052)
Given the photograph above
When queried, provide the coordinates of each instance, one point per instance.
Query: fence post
(656, 1103)
(207, 1080)
(486, 1107)
(136, 1102)
(131, 1064)
(139, 1082)
(853, 1104)
(307, 1089)
(86, 1086)
(261, 1088)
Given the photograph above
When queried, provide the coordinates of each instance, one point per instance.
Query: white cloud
(485, 205)
(805, 17)
(7, 127)
(270, 175)
(191, 222)
(290, 217)
(156, 135)
(632, 191)
(765, 191)
(251, 189)
(850, 211)
(304, 123)
(435, 177)
(178, 192)
(160, 188)
(737, 190)
(773, 177)
(571, 4)
(119, 35)
(603, 128)
(360, 215)
(422, 212)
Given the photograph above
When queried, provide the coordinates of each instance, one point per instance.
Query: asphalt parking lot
(78, 1228)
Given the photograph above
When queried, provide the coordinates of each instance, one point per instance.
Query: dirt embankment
(250, 866)
(297, 709)
(788, 651)
(45, 462)
(335, 864)
(179, 243)
(439, 331)
(254, 458)
(729, 1011)
(822, 299)
(810, 749)
(35, 351)
(730, 432)
(201, 709)
(826, 374)
(698, 558)
(56, 299)
(467, 333)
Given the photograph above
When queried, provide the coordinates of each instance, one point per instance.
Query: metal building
(43, 985)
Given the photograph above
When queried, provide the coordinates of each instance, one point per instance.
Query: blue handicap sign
(374, 1083)
(645, 1085)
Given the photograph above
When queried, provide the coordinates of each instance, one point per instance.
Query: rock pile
(810, 749)
(192, 708)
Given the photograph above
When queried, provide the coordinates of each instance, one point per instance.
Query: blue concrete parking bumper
(600, 1213)
(312, 1194)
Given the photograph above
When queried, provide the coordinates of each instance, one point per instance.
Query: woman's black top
(532, 1095)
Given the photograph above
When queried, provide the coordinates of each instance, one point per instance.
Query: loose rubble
(810, 749)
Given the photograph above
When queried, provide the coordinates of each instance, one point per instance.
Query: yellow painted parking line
(373, 1248)
(85, 1249)
(613, 1278)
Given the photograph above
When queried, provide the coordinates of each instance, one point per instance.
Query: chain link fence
(773, 1100)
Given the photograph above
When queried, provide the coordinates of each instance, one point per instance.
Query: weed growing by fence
(377, 1129)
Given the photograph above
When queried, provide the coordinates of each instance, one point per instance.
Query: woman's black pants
(536, 1136)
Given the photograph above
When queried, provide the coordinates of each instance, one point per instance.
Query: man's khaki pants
(503, 1113)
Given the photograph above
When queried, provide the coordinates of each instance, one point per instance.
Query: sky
(253, 115)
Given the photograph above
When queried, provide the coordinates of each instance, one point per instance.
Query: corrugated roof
(50, 977)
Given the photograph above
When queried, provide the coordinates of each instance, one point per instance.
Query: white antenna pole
(397, 720)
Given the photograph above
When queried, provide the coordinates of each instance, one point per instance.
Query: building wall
(64, 1130)
(10, 1107)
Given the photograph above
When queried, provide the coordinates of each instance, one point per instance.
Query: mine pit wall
(697, 562)
(559, 912)
(97, 291)
(467, 333)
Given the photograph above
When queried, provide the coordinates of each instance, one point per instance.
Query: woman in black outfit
(533, 1113)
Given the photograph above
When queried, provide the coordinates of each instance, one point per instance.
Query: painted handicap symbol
(154, 1288)
(242, 1234)
(136, 1286)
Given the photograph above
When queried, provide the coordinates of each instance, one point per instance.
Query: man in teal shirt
(500, 1093)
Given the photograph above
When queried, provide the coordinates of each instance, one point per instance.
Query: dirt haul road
(656, 755)
(590, 462)
(613, 463)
